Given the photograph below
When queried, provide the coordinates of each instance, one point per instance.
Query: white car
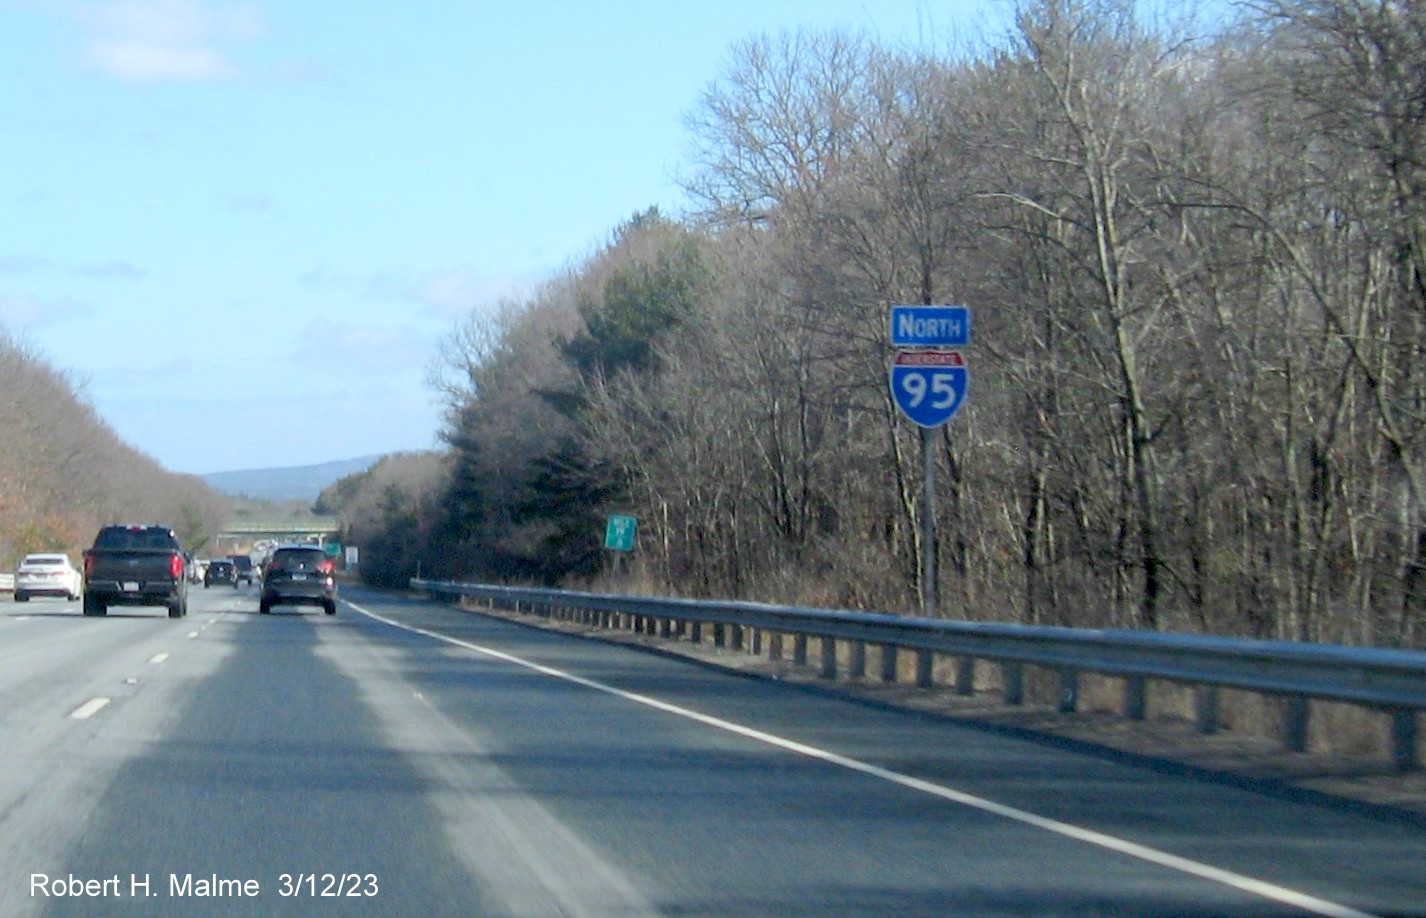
(47, 575)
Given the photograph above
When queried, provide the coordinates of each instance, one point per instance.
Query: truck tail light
(175, 566)
(88, 564)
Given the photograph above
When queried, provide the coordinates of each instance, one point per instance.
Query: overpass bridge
(261, 535)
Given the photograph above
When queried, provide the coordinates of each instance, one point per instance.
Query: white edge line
(1261, 888)
(88, 709)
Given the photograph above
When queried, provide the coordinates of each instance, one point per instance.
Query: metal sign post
(929, 386)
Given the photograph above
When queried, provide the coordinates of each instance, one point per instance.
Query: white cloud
(27, 264)
(365, 348)
(149, 41)
(323, 277)
(21, 264)
(29, 312)
(447, 293)
(255, 203)
(119, 270)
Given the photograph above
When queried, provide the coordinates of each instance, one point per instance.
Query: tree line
(64, 472)
(1196, 260)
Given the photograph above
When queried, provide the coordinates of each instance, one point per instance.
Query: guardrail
(1390, 681)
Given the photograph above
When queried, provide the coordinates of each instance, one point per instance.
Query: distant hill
(299, 482)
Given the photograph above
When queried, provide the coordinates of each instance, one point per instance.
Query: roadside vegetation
(64, 472)
(1196, 259)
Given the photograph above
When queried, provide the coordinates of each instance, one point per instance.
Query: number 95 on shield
(929, 386)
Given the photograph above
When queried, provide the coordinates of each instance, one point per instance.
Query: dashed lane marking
(88, 709)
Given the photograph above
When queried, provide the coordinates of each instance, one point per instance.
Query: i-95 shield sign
(929, 386)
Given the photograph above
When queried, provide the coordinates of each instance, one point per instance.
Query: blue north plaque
(930, 326)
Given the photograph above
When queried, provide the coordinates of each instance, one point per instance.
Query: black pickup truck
(135, 566)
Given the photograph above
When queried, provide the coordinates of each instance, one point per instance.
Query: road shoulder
(1369, 784)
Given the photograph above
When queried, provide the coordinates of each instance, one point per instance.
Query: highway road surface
(405, 758)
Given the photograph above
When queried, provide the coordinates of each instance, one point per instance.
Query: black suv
(299, 574)
(244, 566)
(220, 571)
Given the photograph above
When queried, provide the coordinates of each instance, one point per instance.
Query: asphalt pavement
(404, 758)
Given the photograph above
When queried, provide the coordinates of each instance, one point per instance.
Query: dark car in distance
(244, 566)
(299, 575)
(220, 570)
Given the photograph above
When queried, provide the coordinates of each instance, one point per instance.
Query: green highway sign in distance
(619, 536)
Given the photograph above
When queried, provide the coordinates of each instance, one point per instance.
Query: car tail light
(175, 565)
(327, 567)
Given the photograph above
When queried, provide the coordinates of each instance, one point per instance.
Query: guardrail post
(799, 649)
(696, 633)
(1403, 739)
(736, 638)
(774, 645)
(965, 675)
(1135, 698)
(925, 668)
(857, 667)
(1207, 703)
(1013, 675)
(665, 627)
(718, 637)
(829, 659)
(1296, 711)
(1069, 691)
(757, 643)
(888, 662)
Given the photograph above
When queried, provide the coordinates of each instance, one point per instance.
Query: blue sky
(244, 227)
